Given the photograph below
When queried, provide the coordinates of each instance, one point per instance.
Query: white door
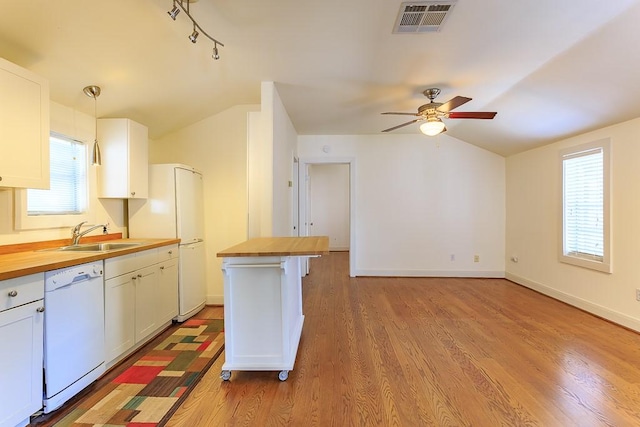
(189, 205)
(192, 287)
(21, 351)
(295, 205)
(329, 203)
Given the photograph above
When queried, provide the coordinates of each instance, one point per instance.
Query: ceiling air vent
(422, 17)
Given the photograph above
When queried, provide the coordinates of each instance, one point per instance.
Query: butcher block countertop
(36, 261)
(279, 246)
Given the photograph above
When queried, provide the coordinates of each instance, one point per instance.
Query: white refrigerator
(175, 209)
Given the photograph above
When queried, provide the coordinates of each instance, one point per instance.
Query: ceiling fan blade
(473, 115)
(399, 126)
(453, 103)
(402, 114)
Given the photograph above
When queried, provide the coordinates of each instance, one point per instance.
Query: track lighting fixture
(215, 55)
(174, 12)
(194, 36)
(197, 29)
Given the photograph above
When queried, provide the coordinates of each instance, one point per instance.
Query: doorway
(317, 179)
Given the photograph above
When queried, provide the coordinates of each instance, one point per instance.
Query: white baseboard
(431, 273)
(598, 310)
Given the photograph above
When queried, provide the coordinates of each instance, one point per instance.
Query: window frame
(24, 221)
(604, 265)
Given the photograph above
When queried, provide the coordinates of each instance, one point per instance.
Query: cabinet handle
(13, 293)
(133, 193)
(40, 309)
(133, 278)
(170, 252)
(162, 267)
(140, 275)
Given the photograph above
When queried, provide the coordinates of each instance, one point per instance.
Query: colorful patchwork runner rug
(152, 389)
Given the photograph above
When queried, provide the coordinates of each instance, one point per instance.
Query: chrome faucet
(76, 234)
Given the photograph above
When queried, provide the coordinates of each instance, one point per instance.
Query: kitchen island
(263, 302)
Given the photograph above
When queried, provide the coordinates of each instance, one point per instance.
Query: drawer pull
(170, 252)
(40, 309)
(13, 293)
(133, 277)
(140, 275)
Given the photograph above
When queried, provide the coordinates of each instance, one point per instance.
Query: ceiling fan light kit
(433, 113)
(432, 127)
(197, 29)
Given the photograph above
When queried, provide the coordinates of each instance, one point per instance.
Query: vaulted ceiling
(551, 69)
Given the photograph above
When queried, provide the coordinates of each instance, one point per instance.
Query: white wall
(329, 203)
(533, 227)
(420, 200)
(217, 146)
(80, 126)
(272, 142)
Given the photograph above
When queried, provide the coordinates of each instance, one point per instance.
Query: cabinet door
(125, 159)
(119, 312)
(24, 133)
(138, 161)
(167, 291)
(21, 335)
(145, 296)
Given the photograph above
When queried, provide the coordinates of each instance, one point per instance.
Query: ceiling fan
(432, 113)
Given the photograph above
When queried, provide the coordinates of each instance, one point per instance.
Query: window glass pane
(68, 192)
(583, 177)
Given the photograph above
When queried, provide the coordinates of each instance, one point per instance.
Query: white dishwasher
(73, 331)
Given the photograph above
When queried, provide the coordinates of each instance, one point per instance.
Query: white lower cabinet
(21, 352)
(168, 291)
(146, 285)
(119, 316)
(141, 298)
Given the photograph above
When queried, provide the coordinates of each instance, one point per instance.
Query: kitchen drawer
(26, 289)
(166, 253)
(118, 266)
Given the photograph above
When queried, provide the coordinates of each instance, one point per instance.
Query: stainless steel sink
(96, 247)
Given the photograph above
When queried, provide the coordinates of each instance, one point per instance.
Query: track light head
(183, 5)
(194, 36)
(174, 12)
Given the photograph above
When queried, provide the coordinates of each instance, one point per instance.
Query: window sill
(602, 266)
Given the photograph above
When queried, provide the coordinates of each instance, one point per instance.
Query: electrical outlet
(637, 294)
(476, 258)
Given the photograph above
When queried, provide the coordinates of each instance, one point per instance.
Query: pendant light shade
(94, 92)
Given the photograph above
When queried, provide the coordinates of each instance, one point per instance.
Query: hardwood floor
(433, 352)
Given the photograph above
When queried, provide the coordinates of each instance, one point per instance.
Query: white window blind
(68, 191)
(583, 204)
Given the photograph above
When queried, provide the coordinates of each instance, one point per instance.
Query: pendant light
(94, 92)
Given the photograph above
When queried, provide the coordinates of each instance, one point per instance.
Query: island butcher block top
(279, 246)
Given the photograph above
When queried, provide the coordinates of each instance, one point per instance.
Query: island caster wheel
(283, 375)
(225, 375)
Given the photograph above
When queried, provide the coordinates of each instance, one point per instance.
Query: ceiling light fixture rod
(180, 3)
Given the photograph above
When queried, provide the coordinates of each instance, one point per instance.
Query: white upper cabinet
(24, 128)
(124, 173)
